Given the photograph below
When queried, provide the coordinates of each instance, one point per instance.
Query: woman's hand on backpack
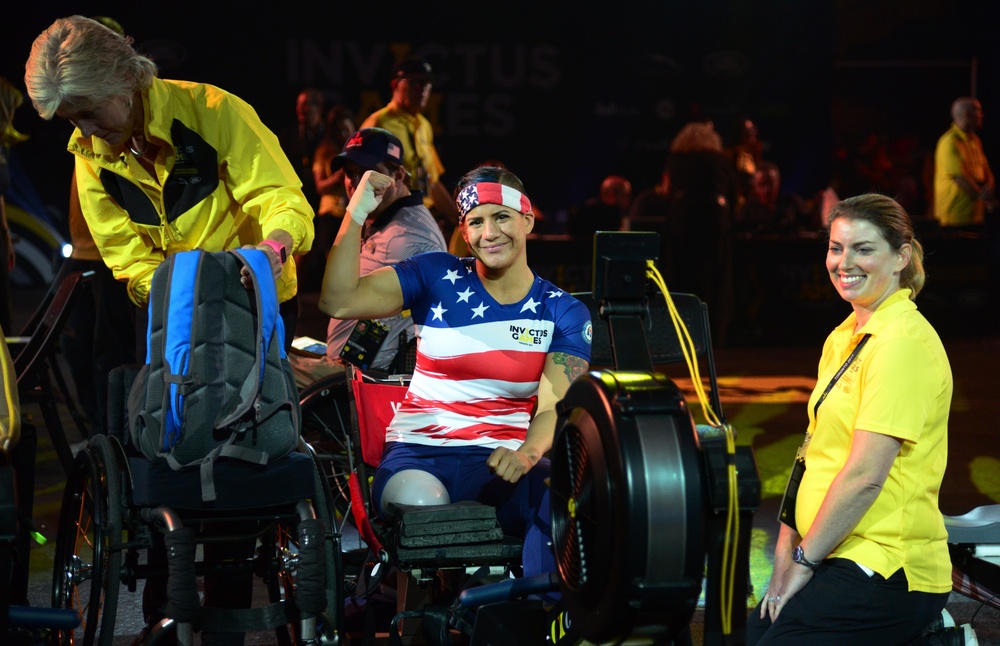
(277, 239)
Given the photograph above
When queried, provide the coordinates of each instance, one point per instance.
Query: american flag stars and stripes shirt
(479, 362)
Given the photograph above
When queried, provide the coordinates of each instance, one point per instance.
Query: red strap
(361, 515)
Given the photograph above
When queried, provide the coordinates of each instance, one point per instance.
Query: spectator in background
(411, 84)
(650, 208)
(606, 212)
(768, 209)
(964, 188)
(697, 247)
(329, 182)
(301, 140)
(746, 156)
(905, 175)
(10, 99)
(873, 166)
(332, 196)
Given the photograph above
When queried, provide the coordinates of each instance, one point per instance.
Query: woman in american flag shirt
(497, 348)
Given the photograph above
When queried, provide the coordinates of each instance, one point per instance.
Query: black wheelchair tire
(90, 525)
(326, 419)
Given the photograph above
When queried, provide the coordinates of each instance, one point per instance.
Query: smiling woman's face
(863, 266)
(497, 235)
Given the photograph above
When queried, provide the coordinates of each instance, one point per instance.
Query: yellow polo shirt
(958, 153)
(417, 136)
(899, 385)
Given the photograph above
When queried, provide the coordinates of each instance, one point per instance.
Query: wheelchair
(117, 503)
(343, 417)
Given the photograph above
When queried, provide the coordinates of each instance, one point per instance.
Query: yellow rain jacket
(221, 181)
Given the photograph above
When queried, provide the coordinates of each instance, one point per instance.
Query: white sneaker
(970, 635)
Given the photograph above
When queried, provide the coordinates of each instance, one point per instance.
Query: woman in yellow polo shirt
(865, 559)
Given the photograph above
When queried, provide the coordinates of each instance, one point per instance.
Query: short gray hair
(79, 61)
(961, 105)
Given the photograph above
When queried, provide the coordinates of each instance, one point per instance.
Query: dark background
(566, 94)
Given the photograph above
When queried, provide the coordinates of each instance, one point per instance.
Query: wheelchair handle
(38, 618)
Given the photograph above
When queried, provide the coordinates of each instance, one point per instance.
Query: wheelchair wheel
(287, 548)
(87, 562)
(326, 419)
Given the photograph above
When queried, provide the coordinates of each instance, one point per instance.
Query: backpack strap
(226, 450)
(265, 294)
(176, 311)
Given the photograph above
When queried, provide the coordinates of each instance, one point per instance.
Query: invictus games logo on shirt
(527, 336)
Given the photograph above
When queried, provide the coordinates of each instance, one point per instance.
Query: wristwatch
(279, 249)
(799, 556)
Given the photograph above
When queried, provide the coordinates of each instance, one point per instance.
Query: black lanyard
(840, 373)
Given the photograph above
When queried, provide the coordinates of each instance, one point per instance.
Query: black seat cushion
(238, 484)
(463, 533)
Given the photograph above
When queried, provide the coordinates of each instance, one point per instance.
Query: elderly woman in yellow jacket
(164, 166)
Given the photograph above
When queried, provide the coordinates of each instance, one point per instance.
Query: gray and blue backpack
(217, 383)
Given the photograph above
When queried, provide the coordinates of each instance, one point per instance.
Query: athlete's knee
(413, 487)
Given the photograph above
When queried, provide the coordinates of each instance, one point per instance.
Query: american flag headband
(490, 193)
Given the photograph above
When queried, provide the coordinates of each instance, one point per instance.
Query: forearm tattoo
(572, 365)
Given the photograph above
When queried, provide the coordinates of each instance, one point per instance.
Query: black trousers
(98, 337)
(843, 605)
